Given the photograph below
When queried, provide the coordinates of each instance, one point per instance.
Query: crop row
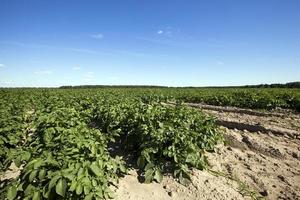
(254, 98)
(244, 98)
(61, 140)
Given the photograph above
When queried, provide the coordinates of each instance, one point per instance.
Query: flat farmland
(150, 143)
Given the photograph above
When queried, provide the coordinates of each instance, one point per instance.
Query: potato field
(74, 143)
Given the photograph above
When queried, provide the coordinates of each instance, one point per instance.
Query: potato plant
(60, 138)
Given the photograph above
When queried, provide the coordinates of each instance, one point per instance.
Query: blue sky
(154, 42)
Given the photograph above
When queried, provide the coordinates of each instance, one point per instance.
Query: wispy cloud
(88, 76)
(98, 36)
(220, 63)
(167, 32)
(164, 41)
(76, 68)
(41, 46)
(30, 45)
(2, 65)
(7, 82)
(133, 53)
(86, 51)
(43, 72)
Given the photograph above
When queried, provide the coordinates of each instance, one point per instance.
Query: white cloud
(88, 51)
(132, 53)
(98, 36)
(41, 46)
(44, 72)
(76, 68)
(80, 50)
(88, 76)
(7, 82)
(167, 31)
(2, 65)
(160, 32)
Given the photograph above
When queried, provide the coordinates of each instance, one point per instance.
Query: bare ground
(261, 159)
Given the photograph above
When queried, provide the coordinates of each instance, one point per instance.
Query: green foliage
(60, 138)
(267, 98)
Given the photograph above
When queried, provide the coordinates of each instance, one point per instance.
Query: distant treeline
(114, 86)
(275, 85)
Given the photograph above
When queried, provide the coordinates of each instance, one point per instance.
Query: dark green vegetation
(273, 85)
(266, 97)
(276, 85)
(63, 139)
(254, 98)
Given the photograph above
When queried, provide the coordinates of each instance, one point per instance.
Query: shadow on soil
(118, 148)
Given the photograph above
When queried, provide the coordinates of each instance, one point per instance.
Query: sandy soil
(251, 165)
(12, 173)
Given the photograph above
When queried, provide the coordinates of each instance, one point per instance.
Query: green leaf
(109, 194)
(32, 175)
(38, 164)
(61, 187)
(122, 168)
(73, 186)
(94, 183)
(11, 193)
(17, 161)
(86, 181)
(53, 181)
(100, 163)
(105, 195)
(184, 178)
(148, 166)
(79, 189)
(149, 176)
(26, 155)
(46, 192)
(158, 176)
(87, 189)
(30, 164)
(29, 190)
(99, 192)
(89, 196)
(69, 176)
(141, 162)
(36, 195)
(80, 171)
(42, 174)
(95, 169)
(20, 187)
